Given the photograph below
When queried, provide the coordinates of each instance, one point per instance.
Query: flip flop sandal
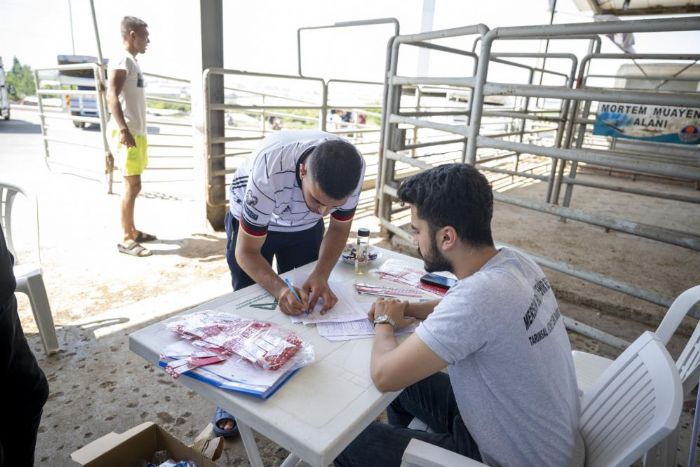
(133, 248)
(143, 237)
(219, 416)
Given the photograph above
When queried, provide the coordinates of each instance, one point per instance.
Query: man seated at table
(510, 394)
(278, 199)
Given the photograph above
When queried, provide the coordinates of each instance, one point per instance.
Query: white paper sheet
(347, 308)
(359, 329)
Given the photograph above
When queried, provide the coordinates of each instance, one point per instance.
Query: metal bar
(65, 116)
(172, 146)
(353, 81)
(479, 29)
(599, 279)
(97, 33)
(445, 113)
(170, 78)
(442, 48)
(407, 160)
(596, 94)
(634, 191)
(42, 121)
(262, 107)
(168, 99)
(673, 237)
(597, 157)
(645, 78)
(486, 168)
(70, 92)
(571, 29)
(589, 331)
(525, 115)
(70, 142)
(432, 143)
(169, 123)
(344, 24)
(457, 129)
(227, 139)
(442, 81)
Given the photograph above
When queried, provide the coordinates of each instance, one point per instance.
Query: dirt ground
(99, 296)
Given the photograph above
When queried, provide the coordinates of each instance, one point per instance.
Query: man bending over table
(278, 199)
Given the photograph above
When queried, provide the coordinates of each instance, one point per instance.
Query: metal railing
(251, 112)
(58, 108)
(548, 154)
(169, 131)
(661, 157)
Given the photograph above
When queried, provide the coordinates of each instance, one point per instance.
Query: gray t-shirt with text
(510, 364)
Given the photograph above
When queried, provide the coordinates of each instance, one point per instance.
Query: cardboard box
(135, 446)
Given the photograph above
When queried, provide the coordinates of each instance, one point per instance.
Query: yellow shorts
(132, 161)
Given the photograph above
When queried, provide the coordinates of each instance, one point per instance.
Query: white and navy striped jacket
(265, 193)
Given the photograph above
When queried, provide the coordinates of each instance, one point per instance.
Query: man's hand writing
(289, 304)
(317, 287)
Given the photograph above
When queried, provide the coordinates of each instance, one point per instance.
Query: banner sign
(680, 125)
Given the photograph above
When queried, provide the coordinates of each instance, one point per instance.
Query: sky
(260, 35)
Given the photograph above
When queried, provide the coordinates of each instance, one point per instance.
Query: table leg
(251, 448)
(291, 461)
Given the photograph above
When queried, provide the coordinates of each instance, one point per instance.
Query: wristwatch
(381, 319)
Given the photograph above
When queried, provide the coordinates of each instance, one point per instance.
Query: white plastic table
(318, 411)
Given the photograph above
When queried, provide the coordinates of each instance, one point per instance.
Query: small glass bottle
(362, 251)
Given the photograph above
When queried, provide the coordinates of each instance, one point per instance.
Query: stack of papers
(403, 273)
(348, 318)
(347, 308)
(353, 330)
(233, 373)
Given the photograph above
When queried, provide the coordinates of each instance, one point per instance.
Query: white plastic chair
(28, 276)
(634, 404)
(589, 367)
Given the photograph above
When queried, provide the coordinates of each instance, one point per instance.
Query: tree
(22, 79)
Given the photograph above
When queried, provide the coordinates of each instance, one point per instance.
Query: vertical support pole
(209, 36)
(393, 102)
(383, 126)
(101, 89)
(97, 33)
(324, 107)
(477, 104)
(42, 119)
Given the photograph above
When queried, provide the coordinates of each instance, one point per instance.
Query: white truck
(4, 94)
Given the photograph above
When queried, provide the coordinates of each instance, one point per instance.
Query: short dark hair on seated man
(456, 195)
(336, 166)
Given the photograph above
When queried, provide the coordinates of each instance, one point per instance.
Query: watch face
(381, 319)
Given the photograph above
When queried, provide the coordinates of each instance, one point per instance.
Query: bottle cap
(363, 232)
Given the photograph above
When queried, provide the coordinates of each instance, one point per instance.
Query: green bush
(22, 79)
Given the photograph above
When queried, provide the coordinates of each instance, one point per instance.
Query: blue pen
(294, 291)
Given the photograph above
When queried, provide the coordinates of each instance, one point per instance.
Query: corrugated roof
(639, 7)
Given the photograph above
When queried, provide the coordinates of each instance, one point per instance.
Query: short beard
(434, 260)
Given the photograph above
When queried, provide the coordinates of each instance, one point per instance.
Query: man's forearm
(115, 109)
(261, 272)
(332, 246)
(421, 310)
(384, 342)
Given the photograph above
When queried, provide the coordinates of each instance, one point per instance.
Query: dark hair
(131, 23)
(336, 166)
(453, 194)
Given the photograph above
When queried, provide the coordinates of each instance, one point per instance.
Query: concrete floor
(99, 296)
